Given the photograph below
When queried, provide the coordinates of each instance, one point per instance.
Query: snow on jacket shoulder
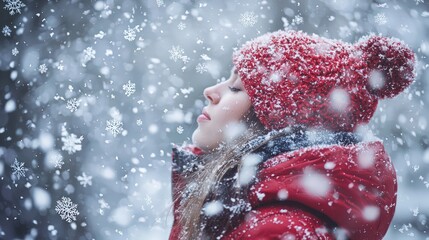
(354, 186)
(302, 194)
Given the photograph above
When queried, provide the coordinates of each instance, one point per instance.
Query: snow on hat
(294, 78)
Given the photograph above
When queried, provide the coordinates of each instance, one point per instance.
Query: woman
(276, 154)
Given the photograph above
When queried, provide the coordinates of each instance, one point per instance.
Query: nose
(212, 95)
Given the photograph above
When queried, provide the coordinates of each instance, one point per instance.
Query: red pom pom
(390, 63)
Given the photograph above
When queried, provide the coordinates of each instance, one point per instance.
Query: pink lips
(203, 117)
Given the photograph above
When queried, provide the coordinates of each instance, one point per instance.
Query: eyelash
(234, 89)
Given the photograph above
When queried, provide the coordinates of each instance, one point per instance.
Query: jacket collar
(186, 160)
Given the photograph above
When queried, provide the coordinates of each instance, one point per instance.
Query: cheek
(240, 108)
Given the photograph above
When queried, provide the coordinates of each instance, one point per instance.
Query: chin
(203, 141)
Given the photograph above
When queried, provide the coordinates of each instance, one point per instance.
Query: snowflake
(176, 53)
(148, 201)
(6, 31)
(43, 69)
(248, 19)
(85, 180)
(139, 122)
(419, 1)
(15, 51)
(59, 161)
(415, 211)
(60, 66)
(13, 6)
(88, 54)
(18, 170)
(179, 129)
(114, 127)
(160, 3)
(297, 20)
(71, 142)
(380, 19)
(404, 28)
(405, 228)
(72, 104)
(130, 34)
(201, 68)
(129, 88)
(100, 35)
(67, 209)
(103, 204)
(181, 26)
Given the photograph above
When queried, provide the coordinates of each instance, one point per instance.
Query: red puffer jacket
(299, 192)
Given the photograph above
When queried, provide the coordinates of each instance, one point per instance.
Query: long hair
(217, 180)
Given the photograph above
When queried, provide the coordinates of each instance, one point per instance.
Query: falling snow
(59, 162)
(177, 53)
(160, 3)
(181, 26)
(72, 104)
(380, 19)
(179, 129)
(43, 68)
(88, 54)
(201, 68)
(114, 127)
(248, 19)
(15, 51)
(85, 63)
(130, 34)
(129, 88)
(85, 180)
(13, 6)
(139, 122)
(6, 31)
(67, 209)
(71, 143)
(297, 20)
(18, 169)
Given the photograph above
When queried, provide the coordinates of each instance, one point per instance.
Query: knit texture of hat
(295, 78)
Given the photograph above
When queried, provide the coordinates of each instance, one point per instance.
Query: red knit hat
(294, 78)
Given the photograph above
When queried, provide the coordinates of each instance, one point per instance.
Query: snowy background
(93, 93)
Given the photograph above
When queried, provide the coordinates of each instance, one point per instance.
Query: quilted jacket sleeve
(280, 222)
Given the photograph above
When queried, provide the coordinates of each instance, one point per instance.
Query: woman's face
(228, 103)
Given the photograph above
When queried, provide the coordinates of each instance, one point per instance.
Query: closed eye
(234, 89)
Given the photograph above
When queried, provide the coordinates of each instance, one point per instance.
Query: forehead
(232, 77)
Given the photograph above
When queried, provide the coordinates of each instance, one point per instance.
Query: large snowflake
(72, 104)
(13, 6)
(84, 180)
(114, 127)
(201, 68)
(130, 34)
(177, 53)
(380, 19)
(67, 209)
(129, 88)
(43, 68)
(18, 169)
(88, 54)
(248, 19)
(71, 142)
